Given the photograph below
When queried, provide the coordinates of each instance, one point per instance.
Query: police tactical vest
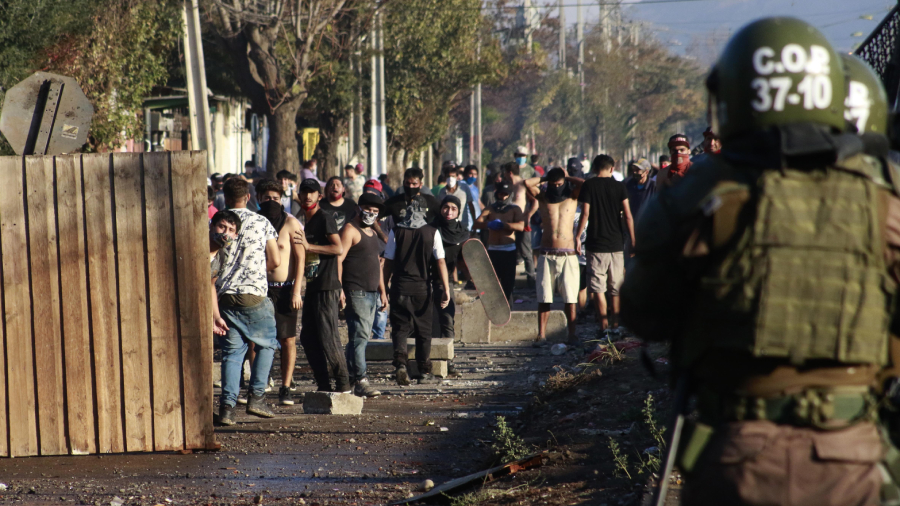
(803, 277)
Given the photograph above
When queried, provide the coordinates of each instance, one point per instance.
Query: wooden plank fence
(106, 325)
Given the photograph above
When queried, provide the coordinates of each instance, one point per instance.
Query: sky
(700, 28)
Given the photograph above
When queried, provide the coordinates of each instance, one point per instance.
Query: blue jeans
(381, 318)
(254, 324)
(360, 314)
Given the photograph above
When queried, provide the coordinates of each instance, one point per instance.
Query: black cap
(371, 199)
(453, 200)
(503, 187)
(310, 185)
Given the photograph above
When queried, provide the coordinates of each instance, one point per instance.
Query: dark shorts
(285, 316)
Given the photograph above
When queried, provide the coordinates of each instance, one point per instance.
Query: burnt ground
(556, 404)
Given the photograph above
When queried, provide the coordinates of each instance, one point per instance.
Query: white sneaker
(242, 399)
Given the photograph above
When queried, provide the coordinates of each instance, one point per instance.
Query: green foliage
(432, 56)
(637, 93)
(472, 498)
(508, 446)
(652, 461)
(26, 28)
(115, 49)
(620, 459)
(119, 62)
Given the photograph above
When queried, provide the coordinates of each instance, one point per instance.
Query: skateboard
(487, 285)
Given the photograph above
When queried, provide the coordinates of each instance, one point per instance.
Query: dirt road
(409, 434)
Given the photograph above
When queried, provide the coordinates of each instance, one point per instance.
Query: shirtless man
(284, 282)
(503, 219)
(521, 198)
(557, 265)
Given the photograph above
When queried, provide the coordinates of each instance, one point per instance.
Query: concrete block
(331, 403)
(523, 326)
(217, 372)
(441, 349)
(438, 368)
(471, 323)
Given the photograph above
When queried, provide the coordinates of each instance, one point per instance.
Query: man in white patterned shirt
(243, 304)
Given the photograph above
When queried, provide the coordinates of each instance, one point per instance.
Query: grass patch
(508, 446)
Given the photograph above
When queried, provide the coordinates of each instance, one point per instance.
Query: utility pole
(562, 35)
(195, 71)
(471, 127)
(579, 42)
(378, 135)
(478, 141)
(529, 22)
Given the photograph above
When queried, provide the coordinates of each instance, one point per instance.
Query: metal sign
(46, 114)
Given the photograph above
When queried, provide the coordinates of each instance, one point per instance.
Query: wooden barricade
(104, 286)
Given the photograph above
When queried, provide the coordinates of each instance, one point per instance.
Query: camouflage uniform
(781, 256)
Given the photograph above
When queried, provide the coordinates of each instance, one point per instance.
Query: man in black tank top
(359, 269)
(410, 254)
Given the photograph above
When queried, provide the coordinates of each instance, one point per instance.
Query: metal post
(471, 127)
(429, 174)
(579, 37)
(196, 82)
(478, 140)
(528, 26)
(382, 124)
(148, 130)
(605, 26)
(562, 35)
(378, 135)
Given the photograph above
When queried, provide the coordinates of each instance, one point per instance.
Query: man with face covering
(223, 230)
(396, 206)
(284, 282)
(319, 332)
(680, 152)
(521, 157)
(557, 266)
(363, 292)
(503, 219)
(412, 250)
(453, 235)
(243, 304)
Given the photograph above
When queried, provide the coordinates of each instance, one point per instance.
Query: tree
(274, 46)
(118, 62)
(435, 51)
(26, 28)
(117, 50)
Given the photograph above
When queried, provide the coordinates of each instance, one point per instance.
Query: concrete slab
(523, 326)
(441, 349)
(438, 368)
(331, 403)
(471, 323)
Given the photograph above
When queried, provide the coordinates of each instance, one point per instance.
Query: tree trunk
(283, 152)
(395, 166)
(330, 135)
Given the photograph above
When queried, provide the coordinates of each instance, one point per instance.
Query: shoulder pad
(871, 168)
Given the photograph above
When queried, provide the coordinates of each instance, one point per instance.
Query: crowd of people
(293, 252)
(774, 246)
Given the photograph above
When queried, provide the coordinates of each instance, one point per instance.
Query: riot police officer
(780, 255)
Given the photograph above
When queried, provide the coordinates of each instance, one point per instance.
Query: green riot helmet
(866, 104)
(776, 71)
